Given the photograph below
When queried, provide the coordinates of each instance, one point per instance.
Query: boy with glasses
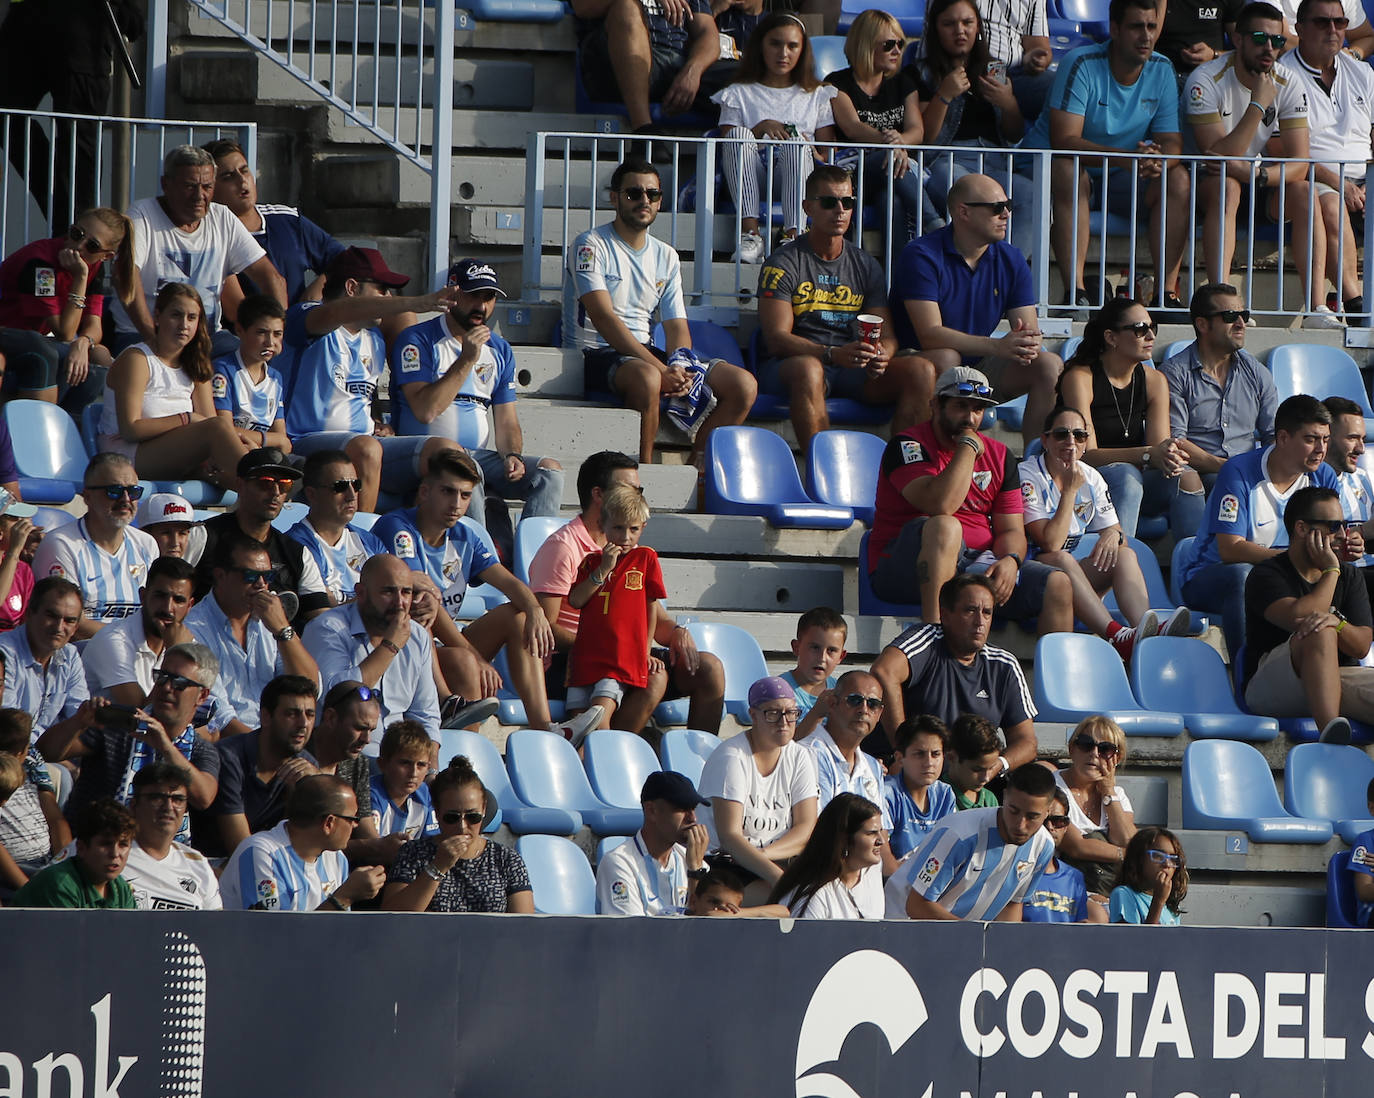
(166, 875)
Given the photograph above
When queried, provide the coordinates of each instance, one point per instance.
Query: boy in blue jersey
(1111, 97)
(247, 391)
(1362, 866)
(1061, 896)
(338, 354)
(339, 547)
(400, 797)
(819, 648)
(915, 796)
(447, 373)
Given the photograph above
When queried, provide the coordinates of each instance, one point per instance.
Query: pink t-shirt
(554, 568)
(16, 602)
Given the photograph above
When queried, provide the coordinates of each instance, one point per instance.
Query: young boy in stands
(819, 648)
(617, 591)
(1061, 896)
(400, 795)
(1362, 866)
(245, 387)
(32, 828)
(915, 795)
(973, 761)
(91, 878)
(721, 893)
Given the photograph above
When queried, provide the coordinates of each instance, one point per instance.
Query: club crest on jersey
(219, 386)
(44, 282)
(634, 580)
(452, 570)
(1229, 509)
(911, 452)
(982, 479)
(410, 358)
(485, 371)
(1028, 493)
(1022, 868)
(586, 256)
(404, 543)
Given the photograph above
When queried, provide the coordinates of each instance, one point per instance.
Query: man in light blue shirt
(43, 674)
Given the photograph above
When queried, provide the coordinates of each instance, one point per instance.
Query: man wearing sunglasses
(327, 532)
(1307, 624)
(347, 720)
(1358, 31)
(101, 552)
(1237, 104)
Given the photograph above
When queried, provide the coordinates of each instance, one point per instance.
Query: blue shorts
(839, 382)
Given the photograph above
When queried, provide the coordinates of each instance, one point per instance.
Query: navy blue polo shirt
(971, 301)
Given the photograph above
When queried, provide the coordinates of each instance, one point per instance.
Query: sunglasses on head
(1105, 748)
(1079, 434)
(119, 491)
(856, 700)
(85, 241)
(969, 388)
(635, 194)
(1161, 857)
(472, 819)
(830, 201)
(1001, 207)
(1056, 819)
(172, 679)
(1230, 316)
(887, 45)
(1259, 38)
(1140, 327)
(341, 486)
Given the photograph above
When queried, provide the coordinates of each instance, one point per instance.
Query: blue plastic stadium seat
(1227, 786)
(827, 51)
(751, 471)
(869, 603)
(842, 470)
(617, 763)
(1301, 729)
(515, 813)
(546, 773)
(1319, 370)
(1182, 546)
(741, 657)
(609, 843)
(709, 340)
(292, 511)
(686, 751)
(1187, 675)
(1327, 781)
(560, 875)
(1161, 598)
(910, 14)
(1342, 905)
(364, 520)
(1079, 674)
(516, 11)
(1176, 347)
(48, 451)
(530, 534)
(1011, 412)
(1090, 16)
(50, 518)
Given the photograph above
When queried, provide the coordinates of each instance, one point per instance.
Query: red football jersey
(613, 633)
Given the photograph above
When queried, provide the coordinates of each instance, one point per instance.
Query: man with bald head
(953, 286)
(377, 641)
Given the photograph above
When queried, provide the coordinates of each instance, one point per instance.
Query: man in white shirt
(1358, 31)
(648, 873)
(166, 875)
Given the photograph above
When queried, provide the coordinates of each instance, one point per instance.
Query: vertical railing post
(534, 216)
(441, 141)
(155, 74)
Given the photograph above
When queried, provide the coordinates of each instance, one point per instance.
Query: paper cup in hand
(870, 328)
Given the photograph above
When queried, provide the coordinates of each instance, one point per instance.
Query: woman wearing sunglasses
(51, 305)
(1101, 821)
(159, 411)
(1126, 405)
(1065, 500)
(1154, 880)
(459, 869)
(839, 873)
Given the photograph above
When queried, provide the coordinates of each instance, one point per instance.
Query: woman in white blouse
(1101, 820)
(838, 874)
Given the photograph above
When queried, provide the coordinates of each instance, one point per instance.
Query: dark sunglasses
(86, 242)
(1105, 748)
(1002, 207)
(856, 700)
(1160, 857)
(887, 45)
(472, 819)
(252, 575)
(1259, 38)
(1059, 434)
(1140, 327)
(830, 201)
(275, 484)
(355, 820)
(344, 485)
(1056, 820)
(118, 491)
(634, 194)
(172, 679)
(1336, 22)
(176, 800)
(1230, 316)
(1332, 526)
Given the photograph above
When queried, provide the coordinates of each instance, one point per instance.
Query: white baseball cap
(163, 507)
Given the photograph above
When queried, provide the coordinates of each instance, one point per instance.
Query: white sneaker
(750, 248)
(1322, 318)
(1149, 625)
(1178, 624)
(575, 730)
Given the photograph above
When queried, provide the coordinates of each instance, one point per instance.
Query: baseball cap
(266, 461)
(471, 275)
(16, 507)
(966, 382)
(363, 263)
(668, 785)
(770, 689)
(161, 507)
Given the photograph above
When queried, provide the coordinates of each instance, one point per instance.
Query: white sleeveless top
(168, 393)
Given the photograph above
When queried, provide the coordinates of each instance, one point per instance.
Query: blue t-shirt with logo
(1117, 115)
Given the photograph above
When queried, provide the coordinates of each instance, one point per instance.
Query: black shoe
(1173, 303)
(457, 712)
(1354, 307)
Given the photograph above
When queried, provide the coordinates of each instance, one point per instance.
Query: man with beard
(348, 717)
(166, 875)
(327, 531)
(452, 369)
(1236, 104)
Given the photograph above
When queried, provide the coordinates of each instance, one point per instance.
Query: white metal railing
(48, 177)
(565, 193)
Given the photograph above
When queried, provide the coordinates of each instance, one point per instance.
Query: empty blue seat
(827, 51)
(1187, 675)
(1090, 16)
(364, 520)
(609, 843)
(48, 451)
(869, 603)
(617, 764)
(1318, 370)
(292, 511)
(1227, 786)
(1011, 412)
(1327, 781)
(1079, 674)
(742, 659)
(709, 339)
(50, 518)
(515, 813)
(546, 773)
(1342, 905)
(751, 471)
(516, 11)
(842, 470)
(686, 751)
(1176, 347)
(530, 534)
(560, 875)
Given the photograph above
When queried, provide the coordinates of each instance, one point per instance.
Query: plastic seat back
(709, 339)
(1182, 548)
(560, 875)
(480, 597)
(50, 518)
(1188, 675)
(1227, 785)
(842, 470)
(751, 471)
(292, 511)
(47, 444)
(1319, 370)
(740, 655)
(1090, 15)
(1342, 905)
(1178, 346)
(530, 534)
(827, 51)
(485, 759)
(545, 771)
(686, 751)
(1079, 674)
(869, 603)
(1327, 781)
(617, 764)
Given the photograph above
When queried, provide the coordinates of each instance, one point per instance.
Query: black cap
(668, 785)
(267, 461)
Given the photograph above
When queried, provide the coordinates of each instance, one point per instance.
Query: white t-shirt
(639, 283)
(1092, 508)
(1078, 818)
(631, 881)
(1215, 95)
(747, 105)
(1339, 121)
(168, 393)
(1354, 11)
(730, 774)
(835, 901)
(182, 881)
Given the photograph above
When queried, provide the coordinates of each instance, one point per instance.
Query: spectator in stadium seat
(1355, 485)
(1340, 105)
(299, 865)
(1221, 397)
(244, 622)
(337, 546)
(1110, 97)
(1243, 521)
(114, 744)
(687, 672)
(981, 864)
(400, 798)
(954, 286)
(43, 672)
(52, 304)
(973, 760)
(338, 355)
(649, 874)
(1061, 896)
(762, 786)
(1358, 33)
(182, 236)
(163, 874)
(839, 873)
(1362, 867)
(948, 670)
(346, 720)
(258, 770)
(949, 502)
(172, 523)
(294, 244)
(91, 877)
(811, 294)
(247, 390)
(640, 54)
(32, 828)
(1308, 624)
(1192, 32)
(1101, 818)
(1260, 101)
(819, 648)
(914, 795)
(1154, 880)
(618, 277)
(459, 869)
(446, 374)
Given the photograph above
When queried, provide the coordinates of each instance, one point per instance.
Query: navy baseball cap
(472, 275)
(668, 785)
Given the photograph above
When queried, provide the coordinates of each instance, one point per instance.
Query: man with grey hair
(114, 742)
(182, 236)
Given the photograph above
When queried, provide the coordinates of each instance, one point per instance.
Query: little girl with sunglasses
(776, 98)
(1154, 880)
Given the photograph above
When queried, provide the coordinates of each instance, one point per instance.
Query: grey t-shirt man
(827, 296)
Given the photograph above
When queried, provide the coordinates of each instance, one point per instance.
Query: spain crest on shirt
(634, 580)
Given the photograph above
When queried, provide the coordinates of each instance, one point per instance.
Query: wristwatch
(1145, 459)
(1108, 799)
(697, 874)
(285, 635)
(431, 871)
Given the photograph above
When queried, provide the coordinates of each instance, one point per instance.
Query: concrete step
(694, 535)
(476, 129)
(752, 585)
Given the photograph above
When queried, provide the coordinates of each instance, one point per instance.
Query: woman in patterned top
(459, 869)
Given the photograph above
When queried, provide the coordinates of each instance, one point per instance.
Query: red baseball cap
(364, 264)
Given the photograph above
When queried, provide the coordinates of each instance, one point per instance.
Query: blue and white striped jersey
(1357, 501)
(416, 816)
(109, 582)
(339, 564)
(255, 405)
(266, 874)
(426, 352)
(333, 377)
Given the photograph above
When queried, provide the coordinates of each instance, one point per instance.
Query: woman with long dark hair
(838, 874)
